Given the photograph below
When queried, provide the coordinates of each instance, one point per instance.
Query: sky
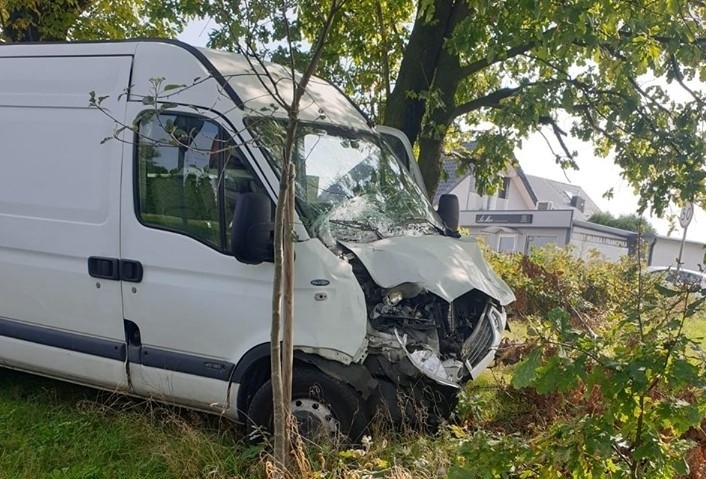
(196, 32)
(595, 176)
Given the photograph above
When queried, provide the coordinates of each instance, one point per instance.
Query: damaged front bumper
(477, 352)
(436, 309)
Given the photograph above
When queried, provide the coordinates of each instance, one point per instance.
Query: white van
(142, 264)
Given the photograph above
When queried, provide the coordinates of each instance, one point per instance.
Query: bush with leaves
(628, 393)
(553, 277)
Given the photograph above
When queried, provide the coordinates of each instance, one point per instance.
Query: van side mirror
(252, 234)
(449, 211)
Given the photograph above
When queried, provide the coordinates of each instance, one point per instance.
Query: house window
(506, 243)
(504, 191)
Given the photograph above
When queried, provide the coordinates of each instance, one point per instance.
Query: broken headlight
(401, 291)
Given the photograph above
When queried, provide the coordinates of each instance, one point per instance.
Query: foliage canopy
(58, 20)
(604, 71)
(632, 222)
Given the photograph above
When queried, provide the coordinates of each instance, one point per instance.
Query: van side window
(189, 176)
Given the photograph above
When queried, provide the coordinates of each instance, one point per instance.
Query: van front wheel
(322, 406)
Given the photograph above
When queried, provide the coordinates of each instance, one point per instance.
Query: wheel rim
(314, 418)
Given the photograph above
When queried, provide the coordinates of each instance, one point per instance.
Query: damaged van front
(435, 310)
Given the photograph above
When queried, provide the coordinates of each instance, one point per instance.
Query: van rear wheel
(323, 407)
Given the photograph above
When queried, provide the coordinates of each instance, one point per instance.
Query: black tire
(317, 389)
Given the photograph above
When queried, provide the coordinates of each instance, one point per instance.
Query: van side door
(60, 299)
(191, 309)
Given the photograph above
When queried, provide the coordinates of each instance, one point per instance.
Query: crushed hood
(447, 267)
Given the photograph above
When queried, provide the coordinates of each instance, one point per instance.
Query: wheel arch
(253, 371)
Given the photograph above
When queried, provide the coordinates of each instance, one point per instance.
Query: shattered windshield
(350, 186)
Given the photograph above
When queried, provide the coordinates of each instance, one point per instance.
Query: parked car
(694, 281)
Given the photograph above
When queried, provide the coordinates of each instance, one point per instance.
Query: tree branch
(644, 94)
(642, 112)
(679, 76)
(385, 48)
(318, 49)
(479, 65)
(558, 133)
(488, 101)
(511, 52)
(586, 111)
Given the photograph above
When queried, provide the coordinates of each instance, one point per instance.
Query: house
(530, 211)
(664, 251)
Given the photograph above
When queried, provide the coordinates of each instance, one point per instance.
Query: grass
(56, 430)
(695, 328)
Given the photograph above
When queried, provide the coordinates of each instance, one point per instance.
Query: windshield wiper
(427, 221)
(359, 225)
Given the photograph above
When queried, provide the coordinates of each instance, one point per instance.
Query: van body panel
(329, 318)
(196, 307)
(448, 267)
(180, 388)
(61, 88)
(60, 205)
(80, 343)
(192, 301)
(106, 286)
(177, 66)
(62, 363)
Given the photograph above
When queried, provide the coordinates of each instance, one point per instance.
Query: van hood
(447, 267)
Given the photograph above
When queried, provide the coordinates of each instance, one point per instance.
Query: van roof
(253, 81)
(247, 80)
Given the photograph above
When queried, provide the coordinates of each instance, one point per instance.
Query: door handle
(130, 270)
(115, 269)
(104, 268)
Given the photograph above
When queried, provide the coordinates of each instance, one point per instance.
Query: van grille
(479, 344)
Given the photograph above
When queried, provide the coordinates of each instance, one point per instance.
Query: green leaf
(549, 376)
(173, 86)
(666, 292)
(526, 371)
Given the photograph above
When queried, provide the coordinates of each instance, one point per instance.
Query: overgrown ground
(55, 430)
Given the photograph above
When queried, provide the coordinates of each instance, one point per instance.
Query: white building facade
(530, 211)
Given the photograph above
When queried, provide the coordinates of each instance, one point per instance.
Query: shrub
(619, 386)
(551, 277)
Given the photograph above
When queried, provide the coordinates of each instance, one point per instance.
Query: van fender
(256, 363)
(354, 374)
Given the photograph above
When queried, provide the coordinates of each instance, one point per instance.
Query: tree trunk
(284, 247)
(447, 78)
(428, 66)
(278, 409)
(430, 151)
(288, 312)
(282, 302)
(417, 70)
